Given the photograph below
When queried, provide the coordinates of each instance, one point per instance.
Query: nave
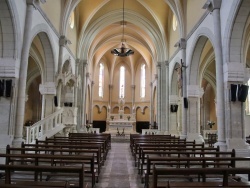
(119, 170)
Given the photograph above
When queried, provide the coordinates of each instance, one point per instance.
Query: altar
(120, 121)
(121, 126)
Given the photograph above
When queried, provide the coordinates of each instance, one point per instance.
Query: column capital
(181, 44)
(210, 5)
(158, 65)
(234, 72)
(194, 91)
(87, 74)
(85, 63)
(173, 99)
(92, 83)
(63, 41)
(110, 86)
(132, 86)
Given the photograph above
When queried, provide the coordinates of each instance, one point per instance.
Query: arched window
(101, 80)
(122, 82)
(143, 80)
(72, 20)
(174, 23)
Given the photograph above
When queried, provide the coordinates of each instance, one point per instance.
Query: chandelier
(123, 51)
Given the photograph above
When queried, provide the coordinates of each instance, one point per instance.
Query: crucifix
(179, 75)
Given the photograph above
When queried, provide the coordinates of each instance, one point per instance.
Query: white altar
(121, 122)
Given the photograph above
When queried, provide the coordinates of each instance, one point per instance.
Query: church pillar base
(195, 136)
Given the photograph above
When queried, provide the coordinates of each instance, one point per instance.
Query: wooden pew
(224, 172)
(134, 137)
(154, 139)
(54, 158)
(41, 169)
(187, 162)
(58, 143)
(87, 135)
(80, 139)
(167, 142)
(42, 148)
(165, 146)
(172, 149)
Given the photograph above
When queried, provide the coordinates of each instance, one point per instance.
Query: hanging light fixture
(123, 51)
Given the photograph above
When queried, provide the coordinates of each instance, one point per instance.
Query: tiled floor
(119, 170)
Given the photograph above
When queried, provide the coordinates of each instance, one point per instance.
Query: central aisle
(119, 170)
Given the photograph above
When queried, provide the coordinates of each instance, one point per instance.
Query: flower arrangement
(112, 117)
(128, 118)
(210, 123)
(88, 126)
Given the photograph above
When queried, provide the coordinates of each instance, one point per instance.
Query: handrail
(44, 126)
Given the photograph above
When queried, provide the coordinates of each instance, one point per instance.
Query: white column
(173, 116)
(214, 7)
(84, 91)
(91, 103)
(159, 96)
(76, 84)
(165, 110)
(133, 96)
(194, 93)
(182, 46)
(23, 74)
(151, 104)
(62, 43)
(235, 74)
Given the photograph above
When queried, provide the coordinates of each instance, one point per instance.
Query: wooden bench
(172, 149)
(169, 147)
(156, 141)
(187, 162)
(77, 149)
(9, 169)
(133, 137)
(54, 159)
(58, 143)
(100, 135)
(182, 172)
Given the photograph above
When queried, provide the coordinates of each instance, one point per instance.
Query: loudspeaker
(185, 102)
(173, 107)
(8, 88)
(1, 87)
(242, 93)
(233, 92)
(55, 101)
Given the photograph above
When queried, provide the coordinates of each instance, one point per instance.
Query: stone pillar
(235, 130)
(48, 90)
(194, 93)
(62, 43)
(76, 84)
(91, 103)
(84, 90)
(214, 7)
(173, 118)
(133, 97)
(110, 97)
(151, 104)
(165, 110)
(20, 111)
(182, 46)
(159, 96)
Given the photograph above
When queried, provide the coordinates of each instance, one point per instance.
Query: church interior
(125, 68)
